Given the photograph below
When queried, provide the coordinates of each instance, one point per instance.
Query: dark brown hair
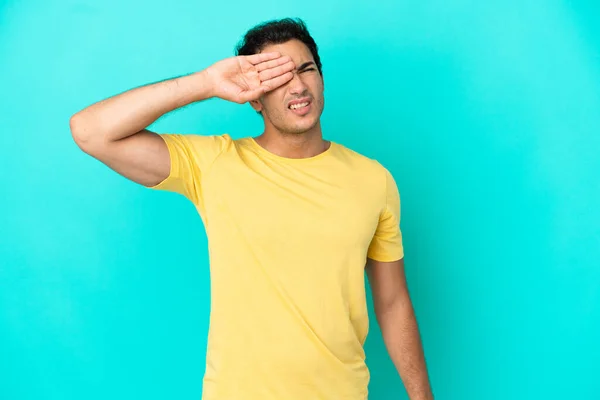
(276, 32)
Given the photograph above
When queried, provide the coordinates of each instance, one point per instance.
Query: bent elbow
(76, 126)
(81, 132)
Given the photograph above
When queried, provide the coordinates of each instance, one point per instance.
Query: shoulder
(196, 141)
(363, 163)
(374, 177)
(211, 141)
(202, 150)
(206, 146)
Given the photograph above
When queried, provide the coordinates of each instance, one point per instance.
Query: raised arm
(114, 130)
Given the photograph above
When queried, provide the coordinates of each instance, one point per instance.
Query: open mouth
(300, 107)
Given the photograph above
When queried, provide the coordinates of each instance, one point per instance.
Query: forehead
(293, 48)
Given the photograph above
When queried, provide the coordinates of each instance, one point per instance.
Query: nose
(297, 85)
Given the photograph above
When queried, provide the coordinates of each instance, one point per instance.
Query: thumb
(253, 94)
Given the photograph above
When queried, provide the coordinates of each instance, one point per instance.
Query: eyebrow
(305, 65)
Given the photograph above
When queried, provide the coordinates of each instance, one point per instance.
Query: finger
(252, 94)
(274, 83)
(260, 57)
(273, 63)
(277, 71)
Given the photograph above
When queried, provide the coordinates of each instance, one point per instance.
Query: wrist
(198, 86)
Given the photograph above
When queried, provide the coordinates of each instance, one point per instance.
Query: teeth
(300, 105)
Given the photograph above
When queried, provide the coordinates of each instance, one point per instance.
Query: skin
(287, 134)
(114, 131)
(396, 318)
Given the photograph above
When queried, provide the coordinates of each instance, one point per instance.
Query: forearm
(401, 336)
(125, 114)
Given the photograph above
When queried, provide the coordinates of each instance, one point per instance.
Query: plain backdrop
(487, 114)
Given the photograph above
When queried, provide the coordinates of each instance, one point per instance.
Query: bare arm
(114, 130)
(396, 318)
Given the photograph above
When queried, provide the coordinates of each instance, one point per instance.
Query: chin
(295, 126)
(302, 128)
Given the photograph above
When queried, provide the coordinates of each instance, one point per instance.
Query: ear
(257, 105)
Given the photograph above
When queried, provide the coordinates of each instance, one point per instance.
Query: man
(292, 222)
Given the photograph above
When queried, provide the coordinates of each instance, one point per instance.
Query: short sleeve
(386, 244)
(191, 158)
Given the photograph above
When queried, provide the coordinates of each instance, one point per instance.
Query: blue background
(487, 114)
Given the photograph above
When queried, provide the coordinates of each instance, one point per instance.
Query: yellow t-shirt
(288, 241)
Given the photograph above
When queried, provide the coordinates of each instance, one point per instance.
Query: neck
(294, 145)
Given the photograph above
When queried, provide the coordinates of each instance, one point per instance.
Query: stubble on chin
(287, 127)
